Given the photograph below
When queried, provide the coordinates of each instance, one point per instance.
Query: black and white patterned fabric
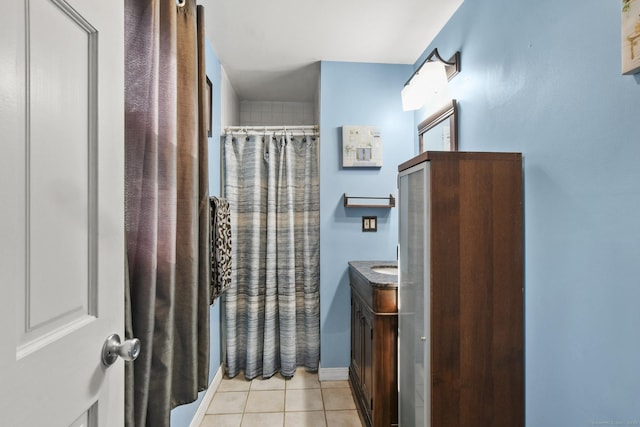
(220, 246)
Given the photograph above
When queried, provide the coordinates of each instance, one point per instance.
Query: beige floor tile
(265, 401)
(307, 402)
(303, 400)
(226, 420)
(273, 419)
(337, 398)
(334, 384)
(232, 402)
(303, 379)
(276, 382)
(238, 383)
(305, 419)
(343, 419)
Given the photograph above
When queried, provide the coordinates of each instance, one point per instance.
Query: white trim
(208, 397)
(333, 374)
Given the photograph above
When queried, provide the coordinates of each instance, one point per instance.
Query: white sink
(382, 269)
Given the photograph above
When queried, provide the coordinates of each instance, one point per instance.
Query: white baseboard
(206, 401)
(333, 374)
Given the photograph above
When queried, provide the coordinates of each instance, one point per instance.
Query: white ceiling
(270, 49)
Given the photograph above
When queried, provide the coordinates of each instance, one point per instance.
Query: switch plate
(369, 224)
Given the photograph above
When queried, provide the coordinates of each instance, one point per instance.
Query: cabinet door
(413, 292)
(367, 359)
(356, 340)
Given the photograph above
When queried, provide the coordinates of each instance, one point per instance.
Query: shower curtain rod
(264, 129)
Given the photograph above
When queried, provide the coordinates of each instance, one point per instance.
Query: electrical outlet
(369, 223)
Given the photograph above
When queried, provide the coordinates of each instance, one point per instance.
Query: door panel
(356, 340)
(414, 298)
(367, 360)
(60, 150)
(62, 216)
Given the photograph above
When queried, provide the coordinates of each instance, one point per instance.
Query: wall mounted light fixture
(428, 84)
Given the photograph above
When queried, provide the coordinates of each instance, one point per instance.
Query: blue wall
(543, 78)
(181, 416)
(355, 94)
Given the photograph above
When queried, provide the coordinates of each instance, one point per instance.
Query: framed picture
(630, 36)
(209, 106)
(361, 147)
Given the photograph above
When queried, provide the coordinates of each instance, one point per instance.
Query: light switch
(369, 223)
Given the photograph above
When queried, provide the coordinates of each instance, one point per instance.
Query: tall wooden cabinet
(460, 294)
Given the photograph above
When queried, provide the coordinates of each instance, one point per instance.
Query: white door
(61, 211)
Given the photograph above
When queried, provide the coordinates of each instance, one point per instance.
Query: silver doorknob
(128, 350)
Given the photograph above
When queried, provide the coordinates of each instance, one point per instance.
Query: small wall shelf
(369, 202)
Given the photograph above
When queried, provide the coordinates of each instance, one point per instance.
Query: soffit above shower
(270, 49)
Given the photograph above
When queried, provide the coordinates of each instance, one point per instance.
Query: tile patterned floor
(302, 401)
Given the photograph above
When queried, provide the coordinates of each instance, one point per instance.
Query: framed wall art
(630, 36)
(361, 147)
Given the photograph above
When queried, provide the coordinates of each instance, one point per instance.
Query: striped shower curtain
(272, 310)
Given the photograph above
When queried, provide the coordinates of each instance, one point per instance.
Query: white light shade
(428, 86)
(412, 96)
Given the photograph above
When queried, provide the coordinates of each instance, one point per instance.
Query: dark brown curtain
(167, 208)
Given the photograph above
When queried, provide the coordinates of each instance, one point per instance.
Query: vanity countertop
(364, 269)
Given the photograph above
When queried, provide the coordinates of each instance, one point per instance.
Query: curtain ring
(265, 152)
(181, 3)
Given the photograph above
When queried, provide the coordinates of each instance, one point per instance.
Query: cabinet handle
(423, 338)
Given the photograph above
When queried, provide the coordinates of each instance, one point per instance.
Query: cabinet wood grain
(373, 371)
(475, 281)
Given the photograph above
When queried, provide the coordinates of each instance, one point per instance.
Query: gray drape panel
(167, 213)
(272, 309)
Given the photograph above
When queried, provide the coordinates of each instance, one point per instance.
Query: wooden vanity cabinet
(373, 371)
